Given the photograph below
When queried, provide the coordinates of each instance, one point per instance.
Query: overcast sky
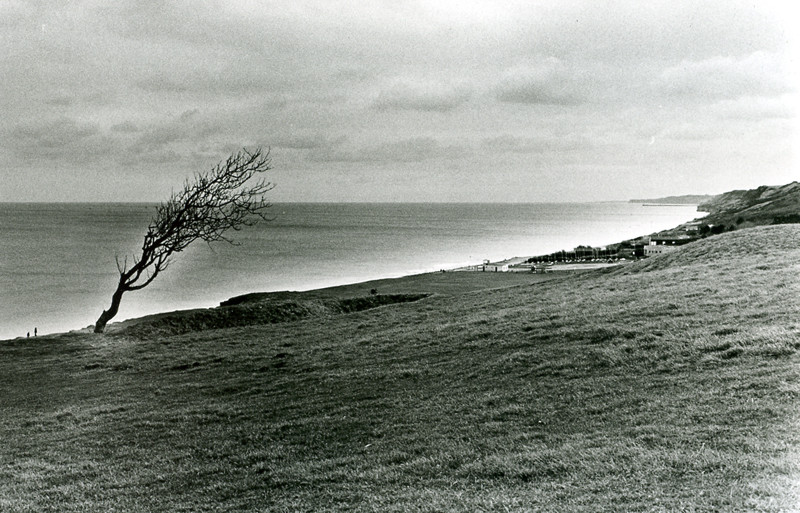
(399, 100)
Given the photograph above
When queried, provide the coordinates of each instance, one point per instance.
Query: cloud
(756, 74)
(157, 156)
(62, 139)
(125, 127)
(541, 144)
(228, 49)
(60, 101)
(67, 140)
(442, 82)
(755, 108)
(188, 127)
(218, 80)
(302, 142)
(420, 95)
(414, 149)
(160, 84)
(548, 82)
(686, 132)
(56, 133)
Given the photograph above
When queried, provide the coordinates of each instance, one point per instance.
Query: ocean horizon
(58, 261)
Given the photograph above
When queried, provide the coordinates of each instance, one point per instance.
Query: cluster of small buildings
(639, 248)
(496, 267)
(665, 244)
(672, 240)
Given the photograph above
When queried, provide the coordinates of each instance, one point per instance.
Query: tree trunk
(107, 315)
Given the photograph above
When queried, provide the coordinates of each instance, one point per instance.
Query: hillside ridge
(748, 246)
(764, 205)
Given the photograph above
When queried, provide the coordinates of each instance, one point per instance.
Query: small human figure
(35, 331)
(29, 334)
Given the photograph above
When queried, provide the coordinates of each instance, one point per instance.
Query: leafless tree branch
(204, 209)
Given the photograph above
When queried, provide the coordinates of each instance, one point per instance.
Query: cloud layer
(655, 98)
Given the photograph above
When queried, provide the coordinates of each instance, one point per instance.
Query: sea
(58, 261)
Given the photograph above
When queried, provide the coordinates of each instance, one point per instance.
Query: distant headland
(687, 199)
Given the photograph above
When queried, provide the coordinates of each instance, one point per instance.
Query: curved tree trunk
(109, 314)
(205, 209)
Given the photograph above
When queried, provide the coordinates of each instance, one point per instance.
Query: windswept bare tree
(206, 208)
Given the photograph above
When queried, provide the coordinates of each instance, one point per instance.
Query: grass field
(670, 384)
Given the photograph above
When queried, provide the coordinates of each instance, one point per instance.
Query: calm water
(58, 270)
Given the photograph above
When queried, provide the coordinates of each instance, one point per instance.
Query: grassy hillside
(764, 205)
(670, 384)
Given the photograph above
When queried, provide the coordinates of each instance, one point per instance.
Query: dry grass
(666, 385)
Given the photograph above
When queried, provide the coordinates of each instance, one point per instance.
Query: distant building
(496, 268)
(653, 250)
(692, 227)
(665, 244)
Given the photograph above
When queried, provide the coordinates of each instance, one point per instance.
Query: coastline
(441, 282)
(407, 283)
(306, 247)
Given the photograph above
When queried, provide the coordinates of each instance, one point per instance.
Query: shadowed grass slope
(666, 385)
(264, 311)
